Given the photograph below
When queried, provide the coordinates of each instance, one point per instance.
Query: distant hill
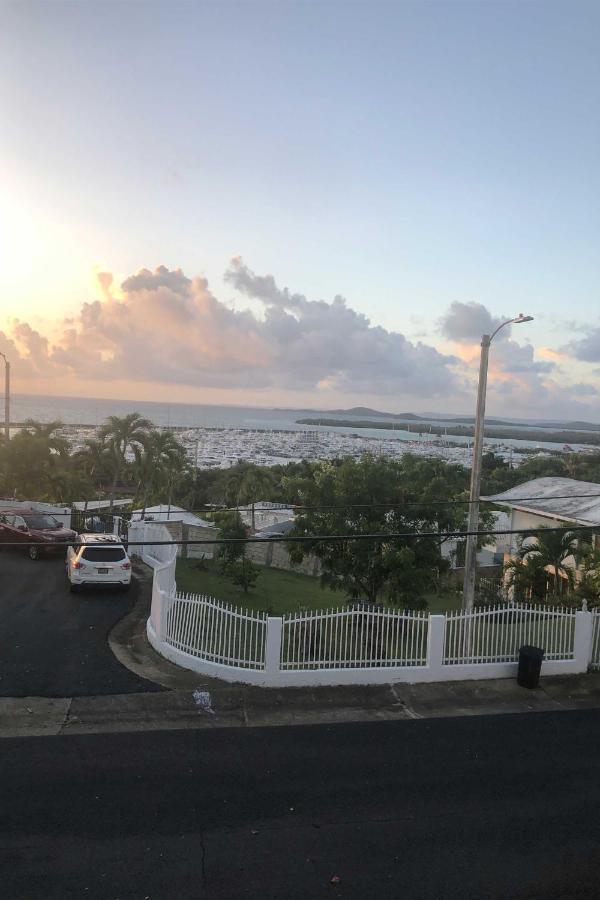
(375, 413)
(367, 412)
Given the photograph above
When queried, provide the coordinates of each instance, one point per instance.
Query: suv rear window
(42, 521)
(103, 554)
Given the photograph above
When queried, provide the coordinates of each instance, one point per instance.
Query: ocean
(93, 412)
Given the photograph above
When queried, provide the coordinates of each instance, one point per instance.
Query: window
(41, 521)
(103, 554)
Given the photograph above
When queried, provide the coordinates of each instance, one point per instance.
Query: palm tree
(44, 433)
(528, 578)
(123, 435)
(33, 459)
(550, 551)
(158, 463)
(256, 484)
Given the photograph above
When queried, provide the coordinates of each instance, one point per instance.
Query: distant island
(505, 432)
(365, 412)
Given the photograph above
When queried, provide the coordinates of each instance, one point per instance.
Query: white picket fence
(495, 634)
(358, 645)
(354, 638)
(214, 631)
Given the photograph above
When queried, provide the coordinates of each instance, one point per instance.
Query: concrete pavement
(235, 706)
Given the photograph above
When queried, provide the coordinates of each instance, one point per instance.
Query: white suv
(100, 559)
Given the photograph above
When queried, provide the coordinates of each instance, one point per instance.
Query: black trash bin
(530, 665)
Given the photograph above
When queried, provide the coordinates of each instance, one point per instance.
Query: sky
(302, 203)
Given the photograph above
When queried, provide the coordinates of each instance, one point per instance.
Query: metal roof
(559, 498)
(92, 505)
(165, 513)
(273, 530)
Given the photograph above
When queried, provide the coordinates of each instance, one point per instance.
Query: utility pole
(6, 397)
(473, 519)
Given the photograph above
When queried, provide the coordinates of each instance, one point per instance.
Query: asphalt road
(54, 643)
(500, 806)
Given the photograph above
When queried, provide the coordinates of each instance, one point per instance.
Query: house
(550, 502)
(182, 526)
(490, 555)
(265, 514)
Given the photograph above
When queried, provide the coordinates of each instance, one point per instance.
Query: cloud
(583, 389)
(320, 342)
(520, 378)
(165, 327)
(586, 349)
(467, 322)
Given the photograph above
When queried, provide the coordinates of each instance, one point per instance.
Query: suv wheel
(34, 552)
(74, 588)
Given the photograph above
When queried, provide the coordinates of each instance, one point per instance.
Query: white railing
(595, 654)
(359, 645)
(214, 631)
(353, 638)
(495, 634)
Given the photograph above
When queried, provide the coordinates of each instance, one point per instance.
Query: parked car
(100, 559)
(21, 526)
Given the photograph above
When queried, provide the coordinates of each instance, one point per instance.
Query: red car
(25, 525)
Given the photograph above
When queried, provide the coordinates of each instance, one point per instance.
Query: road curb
(241, 706)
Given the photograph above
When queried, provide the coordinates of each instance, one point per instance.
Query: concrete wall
(276, 556)
(199, 533)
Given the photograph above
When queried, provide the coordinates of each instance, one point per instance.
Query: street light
(471, 548)
(6, 397)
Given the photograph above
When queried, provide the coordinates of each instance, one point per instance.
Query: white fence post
(435, 644)
(582, 639)
(273, 647)
(156, 612)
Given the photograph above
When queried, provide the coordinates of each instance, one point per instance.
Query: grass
(277, 591)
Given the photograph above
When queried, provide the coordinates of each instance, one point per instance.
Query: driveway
(54, 643)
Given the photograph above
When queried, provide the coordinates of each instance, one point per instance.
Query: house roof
(559, 498)
(165, 513)
(93, 505)
(274, 530)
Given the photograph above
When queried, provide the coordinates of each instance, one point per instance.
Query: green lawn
(277, 591)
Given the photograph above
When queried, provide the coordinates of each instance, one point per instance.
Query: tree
(257, 484)
(528, 578)
(31, 463)
(230, 527)
(549, 551)
(122, 435)
(243, 572)
(233, 561)
(157, 464)
(589, 585)
(379, 495)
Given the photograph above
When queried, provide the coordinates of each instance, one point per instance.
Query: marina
(220, 436)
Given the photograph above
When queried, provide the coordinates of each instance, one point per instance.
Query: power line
(298, 506)
(320, 538)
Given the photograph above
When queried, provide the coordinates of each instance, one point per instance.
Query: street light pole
(473, 518)
(6, 397)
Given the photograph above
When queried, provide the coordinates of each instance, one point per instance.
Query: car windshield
(103, 554)
(42, 521)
